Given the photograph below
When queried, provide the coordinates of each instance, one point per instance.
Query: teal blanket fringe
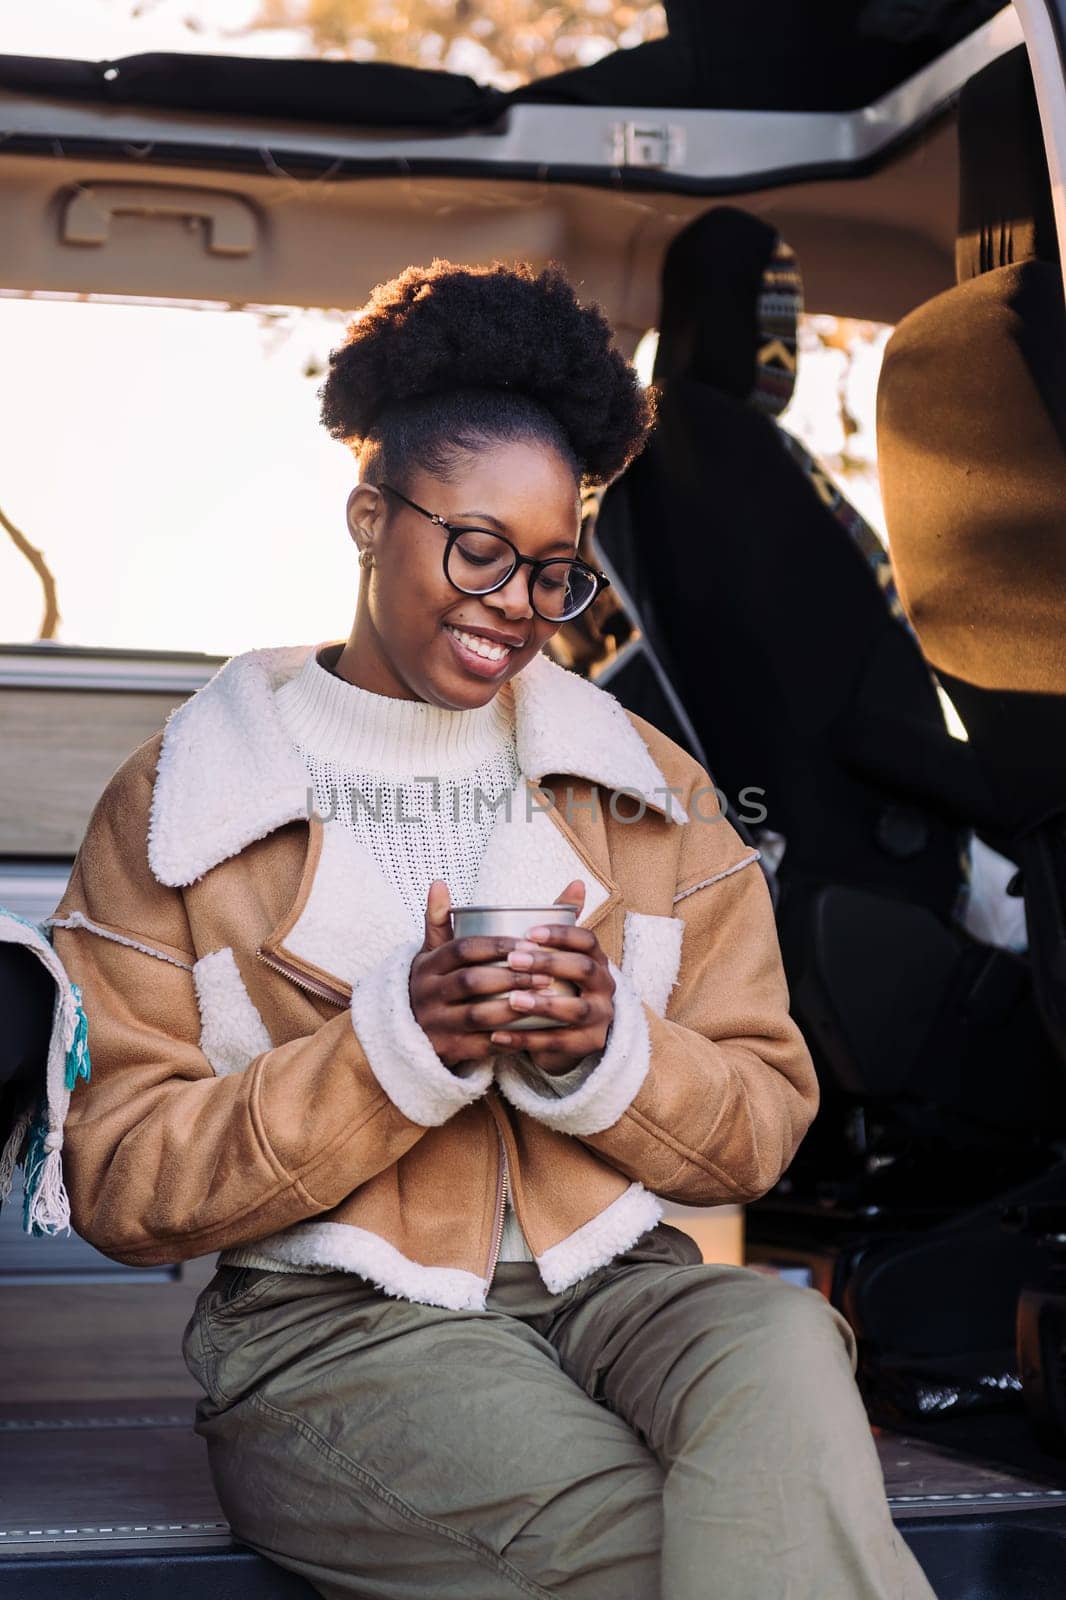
(78, 1064)
(35, 1155)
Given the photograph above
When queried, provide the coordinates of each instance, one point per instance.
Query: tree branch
(50, 619)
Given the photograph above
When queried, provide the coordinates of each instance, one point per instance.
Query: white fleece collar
(229, 774)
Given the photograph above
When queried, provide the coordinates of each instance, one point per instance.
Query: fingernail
(500, 1038)
(520, 1001)
(537, 933)
(519, 958)
(541, 980)
(524, 944)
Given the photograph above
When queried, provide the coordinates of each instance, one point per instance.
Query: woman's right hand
(457, 997)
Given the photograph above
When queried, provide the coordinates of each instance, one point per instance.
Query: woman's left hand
(573, 954)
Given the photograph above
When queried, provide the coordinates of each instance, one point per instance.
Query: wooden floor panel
(98, 1341)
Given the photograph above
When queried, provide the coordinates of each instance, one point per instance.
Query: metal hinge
(647, 144)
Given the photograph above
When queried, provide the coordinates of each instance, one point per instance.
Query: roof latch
(647, 144)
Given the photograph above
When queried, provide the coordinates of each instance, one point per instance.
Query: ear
(366, 511)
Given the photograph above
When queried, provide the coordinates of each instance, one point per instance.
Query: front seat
(971, 436)
(770, 607)
(761, 587)
(972, 444)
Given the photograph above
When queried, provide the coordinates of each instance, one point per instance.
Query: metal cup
(514, 922)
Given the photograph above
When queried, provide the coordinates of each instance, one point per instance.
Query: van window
(834, 407)
(833, 410)
(169, 465)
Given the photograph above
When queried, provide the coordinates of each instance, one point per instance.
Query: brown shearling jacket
(259, 1083)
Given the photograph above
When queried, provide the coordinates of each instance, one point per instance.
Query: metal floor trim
(115, 1537)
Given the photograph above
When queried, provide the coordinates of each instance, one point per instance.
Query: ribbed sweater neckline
(359, 731)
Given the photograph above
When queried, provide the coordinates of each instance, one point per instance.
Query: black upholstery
(765, 611)
(27, 1002)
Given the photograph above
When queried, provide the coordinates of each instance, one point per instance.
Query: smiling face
(417, 637)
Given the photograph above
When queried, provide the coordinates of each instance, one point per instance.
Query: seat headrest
(731, 299)
(971, 432)
(1006, 215)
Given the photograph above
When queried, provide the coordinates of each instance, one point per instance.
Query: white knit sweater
(405, 776)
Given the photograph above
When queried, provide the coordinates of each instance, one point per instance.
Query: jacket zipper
(324, 991)
(503, 1190)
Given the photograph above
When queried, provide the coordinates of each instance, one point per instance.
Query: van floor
(96, 1474)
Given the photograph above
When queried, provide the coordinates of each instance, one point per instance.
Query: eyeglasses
(477, 561)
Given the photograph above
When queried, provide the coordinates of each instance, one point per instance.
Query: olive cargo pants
(661, 1429)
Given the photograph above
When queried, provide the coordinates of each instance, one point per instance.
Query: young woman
(450, 1348)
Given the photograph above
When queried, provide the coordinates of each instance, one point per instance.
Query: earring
(366, 558)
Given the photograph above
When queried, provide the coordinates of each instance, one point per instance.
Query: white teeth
(480, 647)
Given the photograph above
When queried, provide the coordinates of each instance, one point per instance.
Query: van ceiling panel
(163, 204)
(78, 226)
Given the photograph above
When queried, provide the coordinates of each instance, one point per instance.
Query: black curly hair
(444, 359)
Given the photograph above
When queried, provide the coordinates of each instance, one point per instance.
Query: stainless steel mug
(514, 922)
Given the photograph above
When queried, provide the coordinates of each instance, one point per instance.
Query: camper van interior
(883, 719)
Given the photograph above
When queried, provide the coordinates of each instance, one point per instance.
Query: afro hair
(443, 357)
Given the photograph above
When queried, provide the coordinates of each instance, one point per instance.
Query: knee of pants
(798, 1327)
(788, 1362)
